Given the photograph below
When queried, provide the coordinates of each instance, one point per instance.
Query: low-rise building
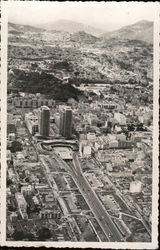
(91, 136)
(32, 123)
(125, 144)
(26, 190)
(32, 102)
(120, 118)
(85, 149)
(49, 214)
(135, 186)
(22, 205)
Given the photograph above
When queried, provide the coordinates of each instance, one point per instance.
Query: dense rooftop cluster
(101, 92)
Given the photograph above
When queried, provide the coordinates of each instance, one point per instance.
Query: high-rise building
(65, 128)
(44, 119)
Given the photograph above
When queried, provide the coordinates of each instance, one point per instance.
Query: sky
(105, 15)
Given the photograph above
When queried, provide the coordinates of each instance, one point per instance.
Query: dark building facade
(44, 120)
(66, 122)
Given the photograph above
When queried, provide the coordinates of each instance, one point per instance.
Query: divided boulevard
(111, 232)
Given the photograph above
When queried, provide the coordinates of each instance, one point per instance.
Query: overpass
(60, 143)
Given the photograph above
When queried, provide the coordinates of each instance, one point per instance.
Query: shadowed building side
(44, 119)
(66, 122)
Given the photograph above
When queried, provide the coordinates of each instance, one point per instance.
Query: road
(110, 230)
(107, 225)
(141, 217)
(100, 212)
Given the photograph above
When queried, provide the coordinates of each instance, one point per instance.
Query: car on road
(110, 235)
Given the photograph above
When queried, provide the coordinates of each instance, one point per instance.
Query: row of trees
(42, 235)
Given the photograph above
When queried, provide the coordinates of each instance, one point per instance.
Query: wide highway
(100, 212)
(107, 225)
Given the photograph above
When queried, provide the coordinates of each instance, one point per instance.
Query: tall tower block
(44, 120)
(66, 122)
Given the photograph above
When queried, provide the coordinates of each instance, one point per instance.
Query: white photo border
(155, 194)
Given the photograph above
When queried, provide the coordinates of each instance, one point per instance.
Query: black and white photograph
(80, 97)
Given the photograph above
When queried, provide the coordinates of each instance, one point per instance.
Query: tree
(18, 235)
(44, 233)
(29, 236)
(99, 124)
(16, 146)
(76, 73)
(140, 127)
(131, 127)
(9, 182)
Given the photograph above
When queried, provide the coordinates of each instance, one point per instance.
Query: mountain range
(84, 37)
(71, 27)
(142, 30)
(20, 28)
